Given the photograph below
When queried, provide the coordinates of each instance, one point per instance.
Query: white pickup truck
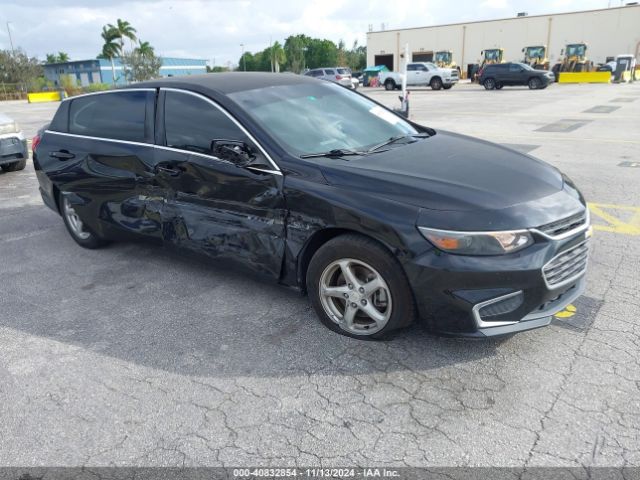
(421, 73)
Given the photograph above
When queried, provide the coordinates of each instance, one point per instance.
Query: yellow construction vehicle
(444, 59)
(536, 57)
(489, 57)
(492, 55)
(575, 58)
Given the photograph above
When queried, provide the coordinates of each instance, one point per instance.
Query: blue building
(87, 72)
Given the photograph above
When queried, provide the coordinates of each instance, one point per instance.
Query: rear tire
(534, 83)
(489, 84)
(436, 83)
(499, 86)
(14, 167)
(389, 85)
(340, 281)
(80, 233)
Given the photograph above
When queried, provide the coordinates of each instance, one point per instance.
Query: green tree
(294, 49)
(278, 56)
(145, 49)
(51, 58)
(63, 57)
(123, 29)
(18, 67)
(110, 48)
(139, 67)
(321, 53)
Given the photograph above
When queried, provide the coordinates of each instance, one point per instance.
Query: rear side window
(117, 115)
(315, 73)
(329, 71)
(192, 123)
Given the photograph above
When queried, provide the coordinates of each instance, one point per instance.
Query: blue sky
(214, 29)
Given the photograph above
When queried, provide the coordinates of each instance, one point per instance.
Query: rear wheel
(499, 86)
(82, 235)
(534, 83)
(358, 289)
(436, 83)
(14, 167)
(489, 84)
(389, 85)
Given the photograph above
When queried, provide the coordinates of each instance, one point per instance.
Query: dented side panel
(223, 210)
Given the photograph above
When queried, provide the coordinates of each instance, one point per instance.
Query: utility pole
(13, 52)
(244, 61)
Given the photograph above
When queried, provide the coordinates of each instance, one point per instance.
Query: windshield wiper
(395, 139)
(338, 152)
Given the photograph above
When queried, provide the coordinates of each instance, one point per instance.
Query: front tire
(436, 83)
(358, 289)
(389, 85)
(15, 166)
(489, 84)
(80, 233)
(534, 83)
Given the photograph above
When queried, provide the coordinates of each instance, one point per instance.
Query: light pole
(13, 52)
(244, 61)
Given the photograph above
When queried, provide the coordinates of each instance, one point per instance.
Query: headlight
(478, 243)
(11, 127)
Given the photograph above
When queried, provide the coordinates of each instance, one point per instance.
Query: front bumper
(482, 296)
(13, 148)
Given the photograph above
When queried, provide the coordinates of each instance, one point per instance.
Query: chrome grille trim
(565, 228)
(566, 267)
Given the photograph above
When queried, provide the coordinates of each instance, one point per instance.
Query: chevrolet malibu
(380, 220)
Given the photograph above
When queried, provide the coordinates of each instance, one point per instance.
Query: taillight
(35, 142)
(338, 77)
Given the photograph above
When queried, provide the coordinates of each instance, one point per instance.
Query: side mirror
(234, 151)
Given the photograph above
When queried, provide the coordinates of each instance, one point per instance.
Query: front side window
(514, 67)
(192, 123)
(116, 115)
(311, 118)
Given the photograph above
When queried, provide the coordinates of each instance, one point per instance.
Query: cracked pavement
(136, 356)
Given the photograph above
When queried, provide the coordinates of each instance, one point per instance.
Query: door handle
(62, 155)
(168, 170)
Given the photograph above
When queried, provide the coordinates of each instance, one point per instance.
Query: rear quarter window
(60, 122)
(118, 115)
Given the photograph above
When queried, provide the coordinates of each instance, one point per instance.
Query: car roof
(226, 83)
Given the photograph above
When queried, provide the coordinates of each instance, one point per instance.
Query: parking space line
(628, 226)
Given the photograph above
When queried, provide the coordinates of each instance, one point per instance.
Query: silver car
(338, 75)
(13, 145)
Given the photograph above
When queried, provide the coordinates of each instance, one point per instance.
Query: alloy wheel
(355, 296)
(74, 222)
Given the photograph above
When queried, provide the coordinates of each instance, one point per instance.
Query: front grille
(559, 227)
(566, 266)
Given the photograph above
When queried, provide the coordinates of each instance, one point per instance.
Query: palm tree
(51, 58)
(123, 30)
(145, 49)
(110, 49)
(63, 57)
(277, 56)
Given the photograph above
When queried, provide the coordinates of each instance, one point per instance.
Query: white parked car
(423, 74)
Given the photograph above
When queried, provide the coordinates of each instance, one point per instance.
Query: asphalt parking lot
(133, 355)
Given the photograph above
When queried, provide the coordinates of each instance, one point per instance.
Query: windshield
(319, 117)
(535, 52)
(492, 54)
(576, 50)
(443, 57)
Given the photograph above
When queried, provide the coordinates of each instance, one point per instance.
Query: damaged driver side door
(223, 196)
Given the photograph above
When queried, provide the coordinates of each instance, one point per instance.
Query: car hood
(448, 171)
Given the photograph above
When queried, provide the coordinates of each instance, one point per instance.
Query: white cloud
(216, 28)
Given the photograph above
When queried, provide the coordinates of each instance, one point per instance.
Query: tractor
(536, 57)
(575, 58)
(444, 59)
(489, 57)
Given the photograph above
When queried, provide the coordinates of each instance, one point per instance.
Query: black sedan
(380, 220)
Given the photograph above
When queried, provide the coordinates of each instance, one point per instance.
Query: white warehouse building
(607, 33)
